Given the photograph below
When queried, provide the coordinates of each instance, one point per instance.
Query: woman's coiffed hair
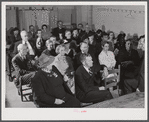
(59, 47)
(111, 32)
(48, 41)
(104, 42)
(43, 26)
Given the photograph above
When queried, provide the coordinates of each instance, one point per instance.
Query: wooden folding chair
(113, 81)
(25, 91)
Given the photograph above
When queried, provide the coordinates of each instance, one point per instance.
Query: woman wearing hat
(49, 88)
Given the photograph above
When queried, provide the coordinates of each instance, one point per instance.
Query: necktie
(90, 72)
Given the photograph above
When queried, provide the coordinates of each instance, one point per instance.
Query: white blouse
(107, 59)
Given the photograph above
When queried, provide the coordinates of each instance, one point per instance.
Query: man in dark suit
(39, 43)
(31, 33)
(59, 32)
(88, 87)
(80, 30)
(23, 66)
(24, 40)
(49, 87)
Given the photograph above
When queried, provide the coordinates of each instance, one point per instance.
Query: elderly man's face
(24, 50)
(25, 36)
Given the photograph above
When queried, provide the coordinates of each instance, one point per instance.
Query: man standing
(87, 82)
(59, 32)
(31, 33)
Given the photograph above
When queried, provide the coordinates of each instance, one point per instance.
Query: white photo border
(70, 113)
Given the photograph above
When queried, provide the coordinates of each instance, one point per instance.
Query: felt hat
(45, 60)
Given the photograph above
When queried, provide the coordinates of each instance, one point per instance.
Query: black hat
(45, 60)
(91, 34)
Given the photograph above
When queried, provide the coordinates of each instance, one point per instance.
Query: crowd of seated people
(64, 66)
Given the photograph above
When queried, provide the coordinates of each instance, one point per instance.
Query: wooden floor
(133, 100)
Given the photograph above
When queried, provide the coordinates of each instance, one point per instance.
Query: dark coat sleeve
(19, 71)
(15, 51)
(38, 89)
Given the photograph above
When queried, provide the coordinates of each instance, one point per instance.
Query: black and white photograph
(74, 60)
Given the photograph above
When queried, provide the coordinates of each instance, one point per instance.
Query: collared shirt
(107, 59)
(23, 57)
(39, 42)
(87, 69)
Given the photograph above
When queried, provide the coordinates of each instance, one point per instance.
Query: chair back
(114, 79)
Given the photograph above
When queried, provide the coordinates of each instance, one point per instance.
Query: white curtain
(11, 19)
(42, 17)
(30, 18)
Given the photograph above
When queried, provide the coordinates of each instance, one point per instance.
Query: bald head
(24, 35)
(22, 49)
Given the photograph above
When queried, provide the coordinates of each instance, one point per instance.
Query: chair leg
(21, 91)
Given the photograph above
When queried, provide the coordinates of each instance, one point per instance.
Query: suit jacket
(86, 82)
(56, 32)
(31, 36)
(77, 61)
(20, 66)
(47, 88)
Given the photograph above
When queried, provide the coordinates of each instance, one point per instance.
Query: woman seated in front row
(65, 65)
(49, 87)
(106, 57)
